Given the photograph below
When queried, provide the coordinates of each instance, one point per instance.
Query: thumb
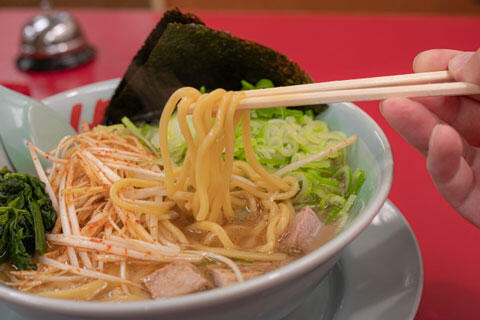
(466, 67)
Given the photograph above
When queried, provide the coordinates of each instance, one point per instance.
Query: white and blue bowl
(271, 296)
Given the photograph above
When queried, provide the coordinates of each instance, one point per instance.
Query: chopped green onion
(247, 85)
(264, 84)
(358, 178)
(345, 174)
(138, 134)
(206, 262)
(145, 129)
(333, 215)
(242, 260)
(332, 200)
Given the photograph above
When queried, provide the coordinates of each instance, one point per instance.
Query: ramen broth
(139, 270)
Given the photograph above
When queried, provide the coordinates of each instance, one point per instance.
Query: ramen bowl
(270, 296)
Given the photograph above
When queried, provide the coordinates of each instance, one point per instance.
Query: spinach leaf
(26, 213)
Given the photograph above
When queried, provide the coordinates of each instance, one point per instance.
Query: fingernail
(433, 136)
(455, 66)
(415, 61)
(380, 106)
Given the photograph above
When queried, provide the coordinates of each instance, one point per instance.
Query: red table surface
(330, 47)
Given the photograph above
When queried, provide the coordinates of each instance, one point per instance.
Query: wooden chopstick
(426, 84)
(363, 94)
(396, 80)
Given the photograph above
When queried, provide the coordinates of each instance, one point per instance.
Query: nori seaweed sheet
(171, 16)
(195, 55)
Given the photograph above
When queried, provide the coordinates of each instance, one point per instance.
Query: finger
(433, 60)
(462, 113)
(411, 120)
(415, 122)
(467, 120)
(466, 67)
(445, 107)
(451, 173)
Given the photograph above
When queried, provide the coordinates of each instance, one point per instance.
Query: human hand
(446, 130)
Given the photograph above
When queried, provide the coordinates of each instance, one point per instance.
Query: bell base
(60, 62)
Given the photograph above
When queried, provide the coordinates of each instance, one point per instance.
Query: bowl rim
(91, 88)
(218, 295)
